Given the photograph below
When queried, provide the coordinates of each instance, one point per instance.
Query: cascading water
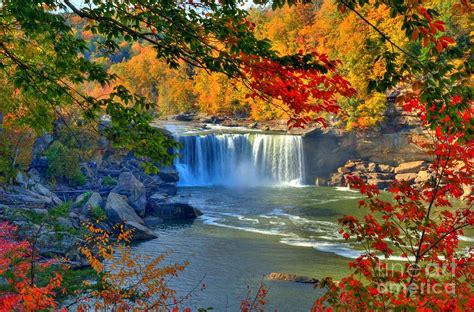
(240, 159)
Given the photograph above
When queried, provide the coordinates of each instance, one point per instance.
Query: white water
(240, 160)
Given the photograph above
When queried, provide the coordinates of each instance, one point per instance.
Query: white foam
(465, 238)
(241, 217)
(213, 221)
(346, 189)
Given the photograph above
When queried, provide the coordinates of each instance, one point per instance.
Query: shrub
(63, 165)
(109, 181)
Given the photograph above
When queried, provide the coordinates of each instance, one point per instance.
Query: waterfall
(240, 159)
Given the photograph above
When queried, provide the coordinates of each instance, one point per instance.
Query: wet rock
(140, 231)
(119, 211)
(168, 174)
(169, 211)
(278, 276)
(134, 190)
(412, 166)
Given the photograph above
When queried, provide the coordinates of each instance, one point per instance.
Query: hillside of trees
(296, 29)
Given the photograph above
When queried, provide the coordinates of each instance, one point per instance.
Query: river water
(246, 233)
(257, 219)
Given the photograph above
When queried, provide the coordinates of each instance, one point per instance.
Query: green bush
(109, 181)
(63, 165)
(97, 214)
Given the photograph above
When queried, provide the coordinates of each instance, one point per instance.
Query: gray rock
(34, 175)
(41, 144)
(21, 179)
(140, 232)
(134, 190)
(93, 200)
(44, 191)
(168, 174)
(173, 211)
(119, 211)
(21, 196)
(65, 223)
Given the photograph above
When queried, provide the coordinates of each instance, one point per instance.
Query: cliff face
(396, 141)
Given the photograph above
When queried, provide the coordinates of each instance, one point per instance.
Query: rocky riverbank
(116, 190)
(265, 125)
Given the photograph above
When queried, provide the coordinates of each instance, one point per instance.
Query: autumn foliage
(18, 264)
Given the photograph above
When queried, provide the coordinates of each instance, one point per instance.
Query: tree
(43, 56)
(420, 225)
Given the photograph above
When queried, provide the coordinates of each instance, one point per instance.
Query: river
(246, 233)
(257, 218)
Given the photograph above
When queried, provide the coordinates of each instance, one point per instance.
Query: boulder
(157, 198)
(412, 166)
(372, 167)
(44, 191)
(386, 168)
(40, 145)
(169, 189)
(361, 166)
(173, 211)
(140, 232)
(21, 196)
(87, 201)
(119, 211)
(343, 170)
(380, 176)
(336, 179)
(168, 174)
(21, 179)
(277, 276)
(410, 176)
(134, 190)
(380, 184)
(423, 176)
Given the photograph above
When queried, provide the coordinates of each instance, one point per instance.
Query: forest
(297, 29)
(114, 197)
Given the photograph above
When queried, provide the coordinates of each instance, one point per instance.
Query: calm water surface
(245, 234)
